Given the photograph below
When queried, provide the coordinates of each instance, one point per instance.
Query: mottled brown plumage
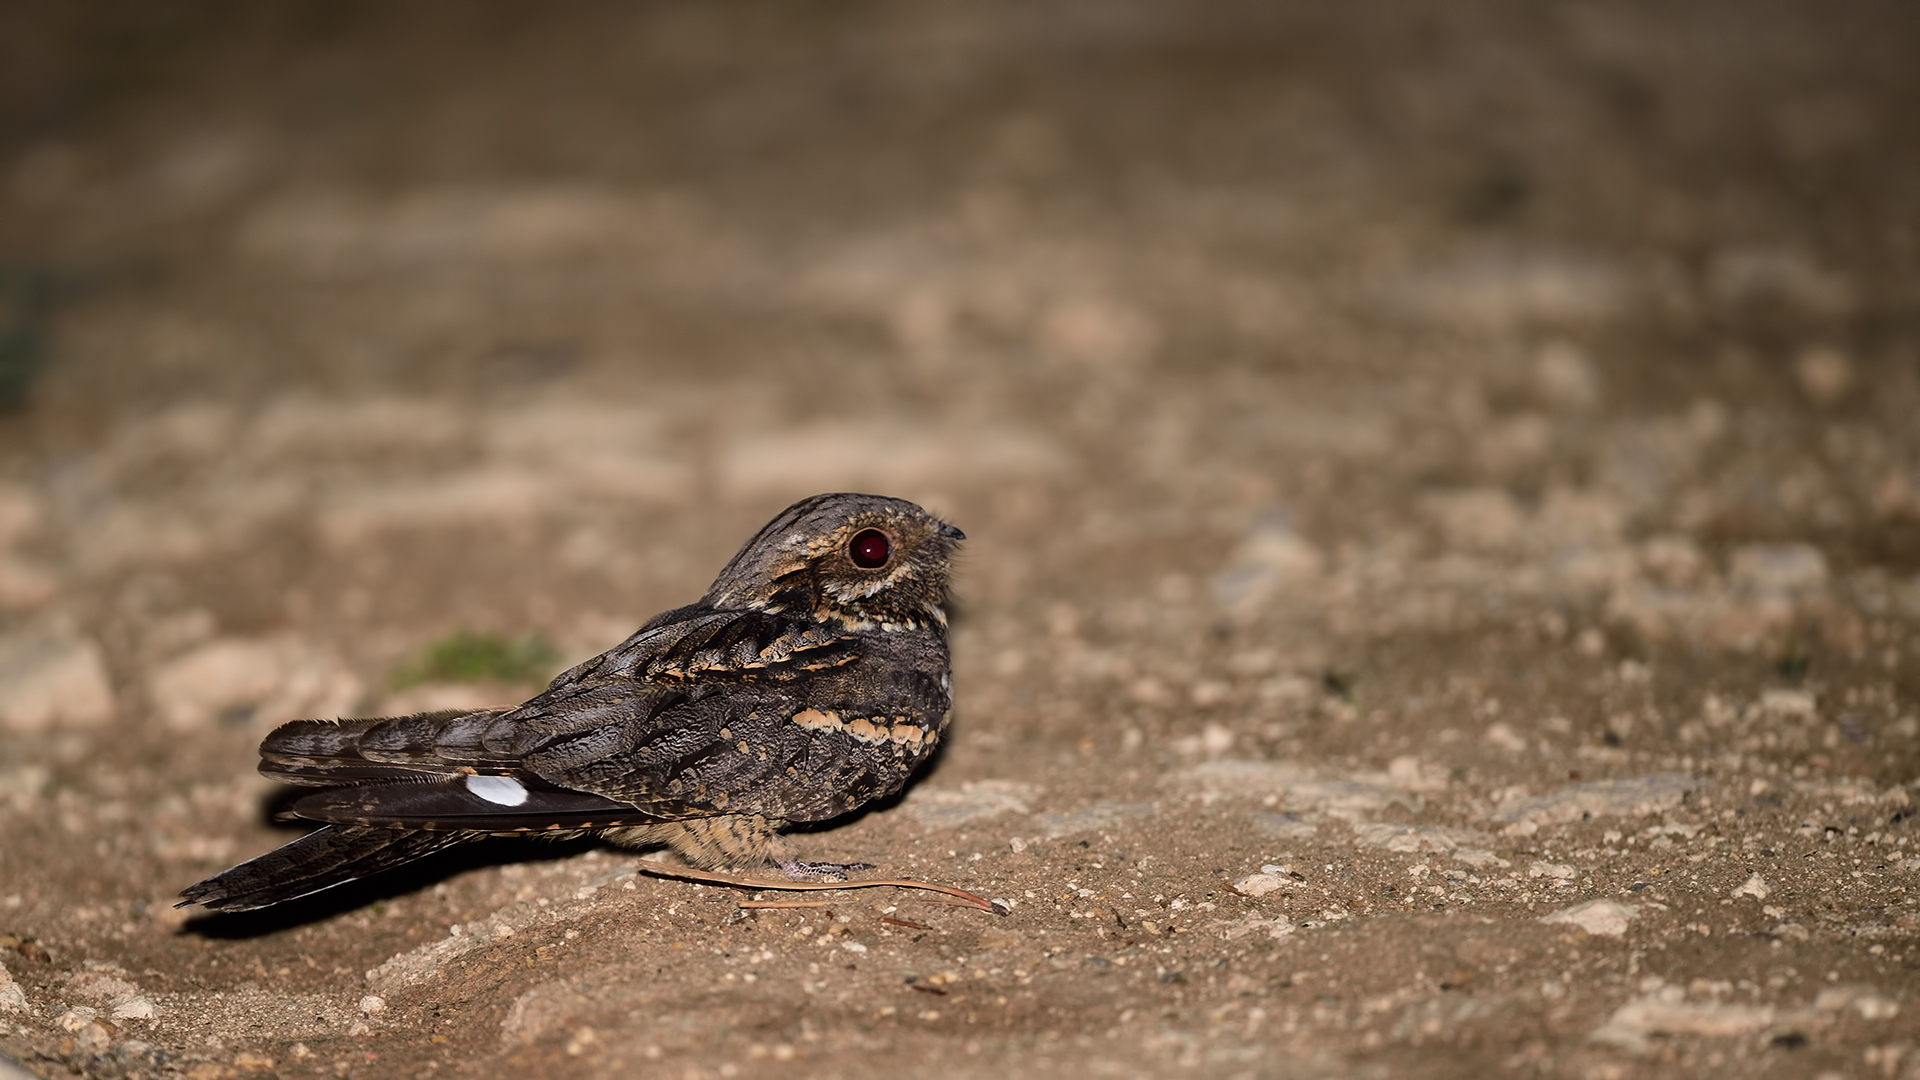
(810, 679)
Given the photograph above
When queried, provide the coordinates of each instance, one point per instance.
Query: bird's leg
(733, 842)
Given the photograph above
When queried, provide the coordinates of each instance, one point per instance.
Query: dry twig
(967, 899)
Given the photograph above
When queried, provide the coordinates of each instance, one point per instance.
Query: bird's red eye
(869, 549)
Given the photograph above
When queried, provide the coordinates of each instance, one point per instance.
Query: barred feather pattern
(810, 680)
(330, 856)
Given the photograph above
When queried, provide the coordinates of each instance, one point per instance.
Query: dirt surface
(1443, 481)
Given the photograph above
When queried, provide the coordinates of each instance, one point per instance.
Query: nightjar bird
(811, 679)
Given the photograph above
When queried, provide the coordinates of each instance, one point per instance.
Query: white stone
(1501, 734)
(51, 679)
(1599, 798)
(1602, 918)
(102, 982)
(1258, 884)
(1667, 1012)
(1216, 739)
(373, 1004)
(1272, 559)
(1756, 887)
(1252, 924)
(13, 999)
(1789, 703)
(1415, 775)
(1870, 1003)
(135, 1007)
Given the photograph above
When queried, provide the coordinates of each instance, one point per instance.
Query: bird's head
(862, 561)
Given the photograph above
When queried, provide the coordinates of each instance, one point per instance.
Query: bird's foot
(821, 871)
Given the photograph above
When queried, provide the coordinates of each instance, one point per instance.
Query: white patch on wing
(499, 790)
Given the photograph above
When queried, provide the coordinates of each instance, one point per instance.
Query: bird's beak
(948, 532)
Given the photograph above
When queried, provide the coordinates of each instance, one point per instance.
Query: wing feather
(642, 729)
(455, 805)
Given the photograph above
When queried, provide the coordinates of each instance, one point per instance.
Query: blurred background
(375, 320)
(1493, 389)
(353, 349)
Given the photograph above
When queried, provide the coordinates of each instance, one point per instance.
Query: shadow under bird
(812, 678)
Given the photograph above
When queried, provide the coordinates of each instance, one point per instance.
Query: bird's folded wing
(640, 725)
(718, 645)
(661, 667)
(475, 803)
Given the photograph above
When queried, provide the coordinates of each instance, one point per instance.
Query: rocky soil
(1443, 488)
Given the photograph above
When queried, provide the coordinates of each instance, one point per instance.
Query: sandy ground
(1443, 485)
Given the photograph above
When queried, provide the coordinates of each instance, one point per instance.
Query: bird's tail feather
(326, 753)
(319, 860)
